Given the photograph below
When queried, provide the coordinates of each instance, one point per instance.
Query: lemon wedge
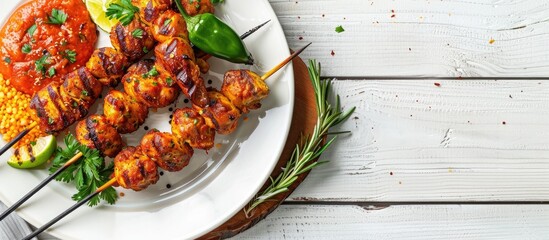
(98, 9)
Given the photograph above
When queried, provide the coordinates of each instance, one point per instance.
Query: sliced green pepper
(213, 36)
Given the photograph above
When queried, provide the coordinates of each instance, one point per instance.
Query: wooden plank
(404, 222)
(465, 140)
(421, 38)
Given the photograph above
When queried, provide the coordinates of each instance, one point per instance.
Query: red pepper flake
(300, 38)
(437, 84)
(392, 10)
(333, 53)
(392, 16)
(391, 173)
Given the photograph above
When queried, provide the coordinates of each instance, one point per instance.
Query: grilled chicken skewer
(107, 65)
(137, 167)
(58, 106)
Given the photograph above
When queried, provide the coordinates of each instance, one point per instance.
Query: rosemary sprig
(303, 156)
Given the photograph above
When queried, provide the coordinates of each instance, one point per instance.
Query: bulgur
(15, 114)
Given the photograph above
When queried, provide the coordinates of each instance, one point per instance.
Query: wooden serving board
(303, 122)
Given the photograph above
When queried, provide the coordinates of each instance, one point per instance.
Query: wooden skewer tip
(283, 63)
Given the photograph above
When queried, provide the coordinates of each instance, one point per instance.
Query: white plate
(206, 193)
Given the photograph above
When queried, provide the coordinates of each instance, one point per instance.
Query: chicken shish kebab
(191, 127)
(107, 66)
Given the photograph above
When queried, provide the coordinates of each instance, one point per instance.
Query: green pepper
(213, 36)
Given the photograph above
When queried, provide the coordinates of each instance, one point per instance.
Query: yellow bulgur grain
(15, 114)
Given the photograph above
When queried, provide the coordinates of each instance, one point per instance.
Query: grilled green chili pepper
(211, 35)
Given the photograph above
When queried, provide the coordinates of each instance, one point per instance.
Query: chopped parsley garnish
(7, 60)
(51, 72)
(169, 81)
(32, 143)
(168, 21)
(50, 121)
(57, 17)
(85, 93)
(31, 30)
(70, 55)
(40, 64)
(137, 33)
(26, 49)
(216, 1)
(145, 50)
(339, 29)
(152, 73)
(123, 11)
(155, 84)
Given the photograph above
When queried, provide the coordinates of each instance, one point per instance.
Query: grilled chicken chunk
(96, 133)
(135, 170)
(149, 84)
(132, 40)
(245, 89)
(149, 10)
(169, 25)
(220, 114)
(107, 65)
(79, 91)
(165, 150)
(189, 127)
(177, 57)
(124, 112)
(197, 7)
(53, 113)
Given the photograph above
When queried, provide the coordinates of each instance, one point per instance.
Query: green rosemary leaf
(310, 147)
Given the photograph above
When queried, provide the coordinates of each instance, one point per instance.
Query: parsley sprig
(304, 154)
(57, 17)
(88, 173)
(123, 11)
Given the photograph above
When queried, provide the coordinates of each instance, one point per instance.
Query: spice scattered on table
(437, 84)
(333, 53)
(339, 29)
(491, 41)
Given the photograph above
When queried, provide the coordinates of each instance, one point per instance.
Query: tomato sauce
(34, 50)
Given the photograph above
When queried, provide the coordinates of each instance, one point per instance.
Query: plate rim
(289, 76)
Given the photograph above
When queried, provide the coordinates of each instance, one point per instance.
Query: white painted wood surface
(421, 37)
(466, 140)
(444, 143)
(463, 141)
(443, 222)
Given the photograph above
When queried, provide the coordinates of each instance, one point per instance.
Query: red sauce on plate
(28, 37)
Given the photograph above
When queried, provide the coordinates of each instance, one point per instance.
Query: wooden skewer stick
(283, 63)
(243, 36)
(40, 186)
(17, 138)
(113, 180)
(71, 209)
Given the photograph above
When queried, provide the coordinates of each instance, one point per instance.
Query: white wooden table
(468, 159)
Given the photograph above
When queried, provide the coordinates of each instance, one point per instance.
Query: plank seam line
(383, 203)
(431, 78)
